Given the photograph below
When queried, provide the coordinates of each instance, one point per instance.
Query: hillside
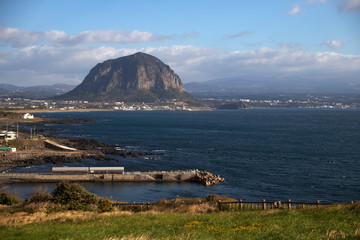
(71, 212)
(136, 78)
(273, 84)
(34, 92)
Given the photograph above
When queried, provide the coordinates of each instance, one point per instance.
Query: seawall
(153, 176)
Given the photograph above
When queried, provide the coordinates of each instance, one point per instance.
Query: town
(21, 104)
(253, 101)
(336, 101)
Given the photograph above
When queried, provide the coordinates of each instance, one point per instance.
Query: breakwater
(136, 176)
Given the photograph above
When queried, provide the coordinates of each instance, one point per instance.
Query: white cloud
(349, 5)
(21, 38)
(334, 44)
(53, 64)
(295, 10)
(239, 34)
(102, 36)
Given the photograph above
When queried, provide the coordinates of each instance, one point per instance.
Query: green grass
(335, 222)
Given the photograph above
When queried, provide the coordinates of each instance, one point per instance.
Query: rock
(136, 78)
(234, 106)
(207, 178)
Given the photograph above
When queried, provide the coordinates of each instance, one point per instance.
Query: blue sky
(46, 42)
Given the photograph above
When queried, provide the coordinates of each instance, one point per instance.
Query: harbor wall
(156, 176)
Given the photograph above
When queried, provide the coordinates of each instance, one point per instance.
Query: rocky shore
(207, 178)
(36, 152)
(45, 149)
(27, 158)
(103, 148)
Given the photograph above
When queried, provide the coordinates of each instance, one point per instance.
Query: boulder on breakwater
(207, 178)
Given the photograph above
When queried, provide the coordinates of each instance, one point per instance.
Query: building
(7, 149)
(8, 135)
(28, 116)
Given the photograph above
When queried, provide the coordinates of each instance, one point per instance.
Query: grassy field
(71, 212)
(333, 222)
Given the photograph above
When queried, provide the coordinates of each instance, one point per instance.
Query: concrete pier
(151, 176)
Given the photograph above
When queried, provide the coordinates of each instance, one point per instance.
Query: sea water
(272, 154)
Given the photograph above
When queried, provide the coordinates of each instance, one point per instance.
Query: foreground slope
(336, 222)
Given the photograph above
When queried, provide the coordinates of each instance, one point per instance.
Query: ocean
(272, 154)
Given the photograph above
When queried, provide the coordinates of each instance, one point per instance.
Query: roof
(4, 149)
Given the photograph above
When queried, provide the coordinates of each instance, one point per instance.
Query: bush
(54, 207)
(212, 198)
(31, 208)
(215, 198)
(104, 205)
(40, 196)
(7, 199)
(73, 195)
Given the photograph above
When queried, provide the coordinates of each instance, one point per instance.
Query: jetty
(112, 174)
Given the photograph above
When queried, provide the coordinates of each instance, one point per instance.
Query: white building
(28, 116)
(7, 135)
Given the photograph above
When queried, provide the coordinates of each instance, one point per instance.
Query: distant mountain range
(144, 78)
(135, 78)
(256, 85)
(34, 92)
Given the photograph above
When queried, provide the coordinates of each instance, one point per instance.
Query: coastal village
(277, 101)
(23, 104)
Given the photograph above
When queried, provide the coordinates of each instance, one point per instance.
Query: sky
(44, 42)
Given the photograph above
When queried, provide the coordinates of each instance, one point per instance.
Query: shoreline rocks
(206, 178)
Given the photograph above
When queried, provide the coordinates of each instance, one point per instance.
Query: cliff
(135, 78)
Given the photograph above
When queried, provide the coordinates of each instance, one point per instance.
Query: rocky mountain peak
(134, 77)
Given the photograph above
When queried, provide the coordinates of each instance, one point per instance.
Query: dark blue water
(272, 154)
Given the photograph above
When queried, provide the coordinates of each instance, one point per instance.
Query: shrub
(7, 199)
(40, 196)
(212, 197)
(31, 208)
(73, 195)
(92, 208)
(54, 207)
(104, 205)
(215, 198)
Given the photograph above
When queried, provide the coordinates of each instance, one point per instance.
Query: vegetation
(8, 199)
(46, 216)
(66, 196)
(5, 114)
(335, 222)
(74, 196)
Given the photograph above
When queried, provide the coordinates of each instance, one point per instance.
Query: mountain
(34, 92)
(10, 87)
(274, 84)
(135, 78)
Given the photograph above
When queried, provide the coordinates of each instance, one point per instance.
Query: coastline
(58, 110)
(35, 150)
(59, 150)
